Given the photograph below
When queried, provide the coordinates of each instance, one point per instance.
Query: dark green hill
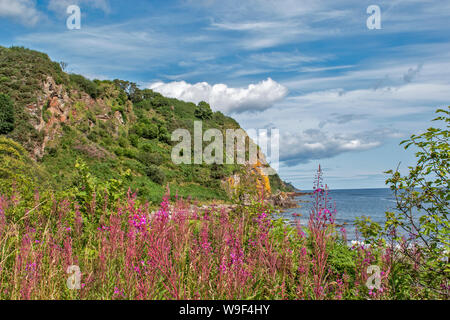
(117, 129)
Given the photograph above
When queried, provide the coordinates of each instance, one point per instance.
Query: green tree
(203, 111)
(88, 86)
(146, 129)
(426, 190)
(150, 131)
(163, 134)
(6, 114)
(159, 101)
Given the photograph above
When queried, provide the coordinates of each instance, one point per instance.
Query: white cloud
(283, 60)
(255, 97)
(255, 24)
(386, 102)
(102, 49)
(259, 35)
(23, 11)
(326, 117)
(320, 69)
(313, 144)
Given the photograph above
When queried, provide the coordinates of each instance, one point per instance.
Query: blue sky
(341, 95)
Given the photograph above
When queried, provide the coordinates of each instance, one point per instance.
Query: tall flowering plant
(321, 225)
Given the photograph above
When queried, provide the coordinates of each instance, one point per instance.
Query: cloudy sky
(341, 95)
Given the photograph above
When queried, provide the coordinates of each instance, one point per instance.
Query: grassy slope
(140, 145)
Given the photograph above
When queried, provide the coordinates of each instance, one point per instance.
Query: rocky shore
(280, 200)
(285, 200)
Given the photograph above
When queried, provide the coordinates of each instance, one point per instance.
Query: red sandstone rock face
(60, 107)
(57, 101)
(54, 103)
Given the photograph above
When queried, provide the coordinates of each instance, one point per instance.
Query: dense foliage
(419, 228)
(6, 114)
(203, 111)
(113, 126)
(70, 206)
(125, 251)
(425, 189)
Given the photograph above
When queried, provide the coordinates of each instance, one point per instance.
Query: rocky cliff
(115, 127)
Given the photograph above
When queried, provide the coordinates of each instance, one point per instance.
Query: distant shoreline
(300, 193)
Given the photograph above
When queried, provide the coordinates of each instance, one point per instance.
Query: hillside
(113, 128)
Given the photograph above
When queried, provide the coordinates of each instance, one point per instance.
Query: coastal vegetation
(424, 238)
(120, 131)
(92, 207)
(123, 250)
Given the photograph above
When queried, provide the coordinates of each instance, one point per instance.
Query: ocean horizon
(350, 204)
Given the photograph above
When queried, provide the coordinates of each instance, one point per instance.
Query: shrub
(155, 174)
(134, 140)
(119, 151)
(6, 114)
(203, 111)
(123, 142)
(84, 84)
(163, 134)
(146, 130)
(159, 101)
(423, 203)
(148, 158)
(150, 131)
(130, 153)
(93, 136)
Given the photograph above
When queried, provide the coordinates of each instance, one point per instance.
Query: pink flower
(206, 246)
(318, 190)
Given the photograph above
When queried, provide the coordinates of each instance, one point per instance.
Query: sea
(350, 203)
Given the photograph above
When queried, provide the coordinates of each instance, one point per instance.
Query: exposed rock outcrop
(56, 106)
(283, 200)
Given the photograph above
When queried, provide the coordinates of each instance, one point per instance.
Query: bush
(119, 151)
(123, 142)
(6, 114)
(423, 203)
(155, 174)
(130, 153)
(163, 134)
(150, 131)
(203, 111)
(84, 84)
(17, 170)
(148, 158)
(146, 130)
(159, 101)
(134, 140)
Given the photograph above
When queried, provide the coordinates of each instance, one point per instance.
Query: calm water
(350, 204)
